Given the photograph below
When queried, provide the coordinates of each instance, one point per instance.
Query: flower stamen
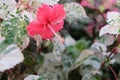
(60, 39)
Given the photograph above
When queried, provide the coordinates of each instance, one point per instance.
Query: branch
(115, 75)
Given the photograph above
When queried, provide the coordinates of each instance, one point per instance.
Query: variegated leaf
(49, 2)
(32, 77)
(10, 57)
(58, 48)
(74, 11)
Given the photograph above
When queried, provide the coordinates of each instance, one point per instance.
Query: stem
(103, 63)
(102, 15)
(115, 75)
(60, 39)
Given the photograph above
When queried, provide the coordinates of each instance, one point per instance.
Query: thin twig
(115, 75)
(102, 15)
(103, 63)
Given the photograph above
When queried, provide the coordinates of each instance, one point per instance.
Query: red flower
(49, 20)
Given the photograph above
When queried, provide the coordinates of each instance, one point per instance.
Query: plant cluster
(60, 39)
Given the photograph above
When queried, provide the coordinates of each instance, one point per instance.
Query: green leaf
(75, 55)
(82, 44)
(29, 60)
(42, 78)
(50, 73)
(83, 56)
(58, 49)
(72, 51)
(91, 77)
(93, 61)
(39, 59)
(14, 30)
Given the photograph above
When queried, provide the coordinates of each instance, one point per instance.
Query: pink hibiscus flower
(49, 20)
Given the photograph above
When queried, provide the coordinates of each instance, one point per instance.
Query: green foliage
(47, 46)
(3, 45)
(91, 77)
(56, 60)
(39, 59)
(93, 61)
(29, 60)
(75, 12)
(42, 79)
(50, 73)
(82, 44)
(14, 30)
(75, 55)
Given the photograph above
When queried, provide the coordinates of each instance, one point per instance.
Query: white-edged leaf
(32, 77)
(34, 3)
(50, 73)
(10, 57)
(106, 53)
(113, 18)
(69, 63)
(49, 60)
(74, 11)
(108, 39)
(7, 6)
(98, 47)
(89, 76)
(113, 26)
(58, 48)
(29, 15)
(49, 2)
(109, 29)
(14, 30)
(112, 61)
(93, 61)
(25, 43)
(83, 56)
(69, 41)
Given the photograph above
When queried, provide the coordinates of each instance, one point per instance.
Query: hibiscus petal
(35, 28)
(49, 21)
(48, 32)
(58, 14)
(43, 13)
(58, 26)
